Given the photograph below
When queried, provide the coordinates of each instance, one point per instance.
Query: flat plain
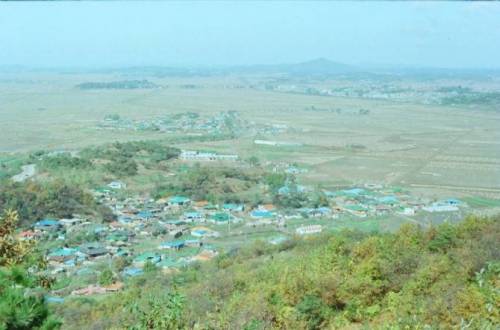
(428, 148)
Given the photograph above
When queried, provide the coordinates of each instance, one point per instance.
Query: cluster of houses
(193, 123)
(372, 89)
(180, 122)
(374, 200)
(172, 232)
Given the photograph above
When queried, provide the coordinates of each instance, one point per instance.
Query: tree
(106, 277)
(162, 312)
(254, 161)
(22, 305)
(12, 250)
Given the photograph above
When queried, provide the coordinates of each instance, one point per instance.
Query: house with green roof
(178, 201)
(141, 259)
(220, 218)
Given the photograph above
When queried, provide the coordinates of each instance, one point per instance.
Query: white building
(440, 208)
(310, 229)
(205, 156)
(117, 185)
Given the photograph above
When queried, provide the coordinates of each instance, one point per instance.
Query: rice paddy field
(433, 150)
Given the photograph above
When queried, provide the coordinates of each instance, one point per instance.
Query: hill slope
(440, 278)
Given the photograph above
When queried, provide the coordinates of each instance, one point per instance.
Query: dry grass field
(429, 149)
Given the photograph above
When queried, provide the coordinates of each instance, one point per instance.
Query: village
(193, 123)
(173, 232)
(409, 91)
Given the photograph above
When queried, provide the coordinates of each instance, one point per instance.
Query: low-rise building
(310, 229)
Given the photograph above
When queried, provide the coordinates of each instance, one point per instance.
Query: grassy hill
(445, 277)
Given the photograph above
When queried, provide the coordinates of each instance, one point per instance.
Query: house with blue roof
(388, 200)
(354, 192)
(175, 245)
(261, 214)
(145, 215)
(48, 224)
(233, 207)
(132, 272)
(178, 201)
(203, 232)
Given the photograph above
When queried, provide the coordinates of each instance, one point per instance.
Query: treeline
(117, 159)
(124, 158)
(34, 201)
(63, 161)
(216, 184)
(472, 98)
(441, 278)
(124, 84)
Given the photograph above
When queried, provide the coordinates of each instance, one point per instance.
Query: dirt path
(27, 172)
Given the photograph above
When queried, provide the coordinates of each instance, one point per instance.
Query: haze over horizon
(89, 35)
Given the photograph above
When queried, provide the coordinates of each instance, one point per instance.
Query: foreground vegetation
(22, 282)
(444, 277)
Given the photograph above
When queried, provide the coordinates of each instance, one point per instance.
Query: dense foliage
(35, 201)
(22, 304)
(123, 159)
(443, 277)
(216, 184)
(64, 161)
(124, 84)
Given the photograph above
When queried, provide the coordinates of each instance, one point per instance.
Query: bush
(106, 277)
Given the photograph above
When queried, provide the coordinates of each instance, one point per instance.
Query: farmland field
(427, 147)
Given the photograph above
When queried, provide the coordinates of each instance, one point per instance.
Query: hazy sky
(89, 34)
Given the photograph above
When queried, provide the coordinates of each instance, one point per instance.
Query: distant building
(70, 222)
(93, 250)
(220, 217)
(233, 207)
(132, 272)
(151, 257)
(277, 143)
(206, 156)
(117, 185)
(310, 229)
(439, 207)
(174, 245)
(203, 232)
(260, 214)
(48, 224)
(193, 216)
(178, 201)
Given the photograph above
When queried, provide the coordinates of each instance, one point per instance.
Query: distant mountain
(317, 67)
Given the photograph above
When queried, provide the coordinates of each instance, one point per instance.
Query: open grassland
(425, 147)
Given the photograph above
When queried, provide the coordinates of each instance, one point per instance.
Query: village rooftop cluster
(172, 232)
(191, 122)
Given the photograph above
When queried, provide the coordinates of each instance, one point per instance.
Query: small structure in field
(308, 230)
